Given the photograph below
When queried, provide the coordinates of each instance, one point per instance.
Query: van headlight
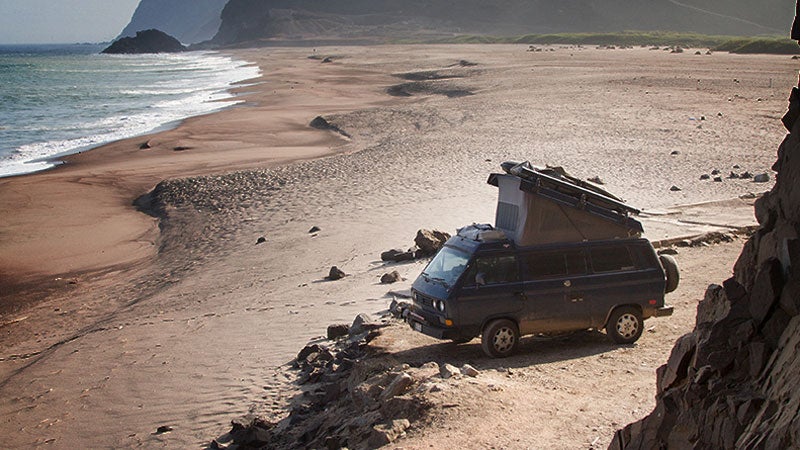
(439, 304)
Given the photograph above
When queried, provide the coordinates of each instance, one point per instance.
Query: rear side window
(540, 265)
(611, 259)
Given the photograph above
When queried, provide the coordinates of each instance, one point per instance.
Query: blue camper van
(530, 275)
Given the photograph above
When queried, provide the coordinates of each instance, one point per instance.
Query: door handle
(567, 283)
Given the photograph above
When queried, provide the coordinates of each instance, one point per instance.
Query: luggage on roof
(538, 206)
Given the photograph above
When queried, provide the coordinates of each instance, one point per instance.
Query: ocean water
(61, 99)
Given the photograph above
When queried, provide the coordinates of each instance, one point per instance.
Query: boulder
(397, 386)
(761, 178)
(321, 123)
(469, 371)
(430, 241)
(396, 255)
(308, 350)
(338, 330)
(448, 370)
(336, 274)
(147, 41)
(392, 277)
(385, 434)
(362, 323)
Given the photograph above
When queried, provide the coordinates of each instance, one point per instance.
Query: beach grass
(733, 44)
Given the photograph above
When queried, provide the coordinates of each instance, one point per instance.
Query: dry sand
(112, 327)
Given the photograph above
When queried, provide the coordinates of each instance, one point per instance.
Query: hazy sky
(63, 21)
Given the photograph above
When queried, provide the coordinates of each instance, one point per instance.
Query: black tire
(671, 271)
(500, 338)
(461, 340)
(625, 325)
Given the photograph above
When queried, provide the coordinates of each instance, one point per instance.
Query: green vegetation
(759, 45)
(633, 38)
(733, 44)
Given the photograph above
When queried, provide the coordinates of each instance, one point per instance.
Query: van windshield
(446, 267)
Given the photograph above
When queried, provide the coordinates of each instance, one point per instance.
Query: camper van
(563, 257)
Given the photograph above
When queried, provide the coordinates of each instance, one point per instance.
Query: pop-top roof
(538, 206)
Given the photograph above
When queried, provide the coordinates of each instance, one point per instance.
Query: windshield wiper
(440, 280)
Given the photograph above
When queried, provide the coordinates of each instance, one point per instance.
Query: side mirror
(480, 279)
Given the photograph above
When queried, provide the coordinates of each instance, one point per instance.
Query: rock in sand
(392, 277)
(336, 274)
(430, 241)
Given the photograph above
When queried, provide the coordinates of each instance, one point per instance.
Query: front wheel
(625, 325)
(500, 338)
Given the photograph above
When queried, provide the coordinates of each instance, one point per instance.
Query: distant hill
(190, 21)
(249, 20)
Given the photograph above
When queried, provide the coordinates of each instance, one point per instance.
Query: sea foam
(62, 101)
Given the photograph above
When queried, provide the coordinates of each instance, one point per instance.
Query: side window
(611, 259)
(545, 265)
(542, 265)
(576, 262)
(494, 270)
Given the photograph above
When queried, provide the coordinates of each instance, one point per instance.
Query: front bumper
(419, 324)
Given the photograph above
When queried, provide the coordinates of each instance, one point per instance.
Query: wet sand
(114, 323)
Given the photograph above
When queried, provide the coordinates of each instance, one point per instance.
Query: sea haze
(56, 100)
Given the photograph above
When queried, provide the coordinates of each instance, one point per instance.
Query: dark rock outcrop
(731, 383)
(190, 21)
(147, 41)
(354, 396)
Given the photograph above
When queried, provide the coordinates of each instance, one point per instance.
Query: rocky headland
(146, 41)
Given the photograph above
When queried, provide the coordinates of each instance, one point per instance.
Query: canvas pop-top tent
(539, 206)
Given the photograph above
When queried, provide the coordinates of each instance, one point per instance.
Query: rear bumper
(664, 311)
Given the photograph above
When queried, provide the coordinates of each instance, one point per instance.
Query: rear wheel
(500, 338)
(625, 325)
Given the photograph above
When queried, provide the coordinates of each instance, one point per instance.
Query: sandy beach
(115, 322)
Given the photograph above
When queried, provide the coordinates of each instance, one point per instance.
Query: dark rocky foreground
(354, 394)
(732, 382)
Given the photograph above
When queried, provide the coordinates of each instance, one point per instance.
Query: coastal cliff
(251, 20)
(190, 21)
(731, 383)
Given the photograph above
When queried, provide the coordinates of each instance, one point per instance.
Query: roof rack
(481, 232)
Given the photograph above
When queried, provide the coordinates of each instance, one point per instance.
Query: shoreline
(95, 190)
